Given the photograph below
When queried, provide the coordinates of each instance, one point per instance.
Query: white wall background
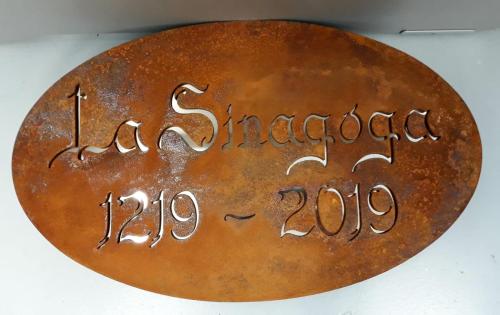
(28, 18)
(457, 274)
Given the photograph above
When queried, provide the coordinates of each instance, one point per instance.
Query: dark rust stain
(265, 229)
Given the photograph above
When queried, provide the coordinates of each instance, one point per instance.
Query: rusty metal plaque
(246, 161)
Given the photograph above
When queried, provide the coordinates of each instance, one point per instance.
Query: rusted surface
(257, 214)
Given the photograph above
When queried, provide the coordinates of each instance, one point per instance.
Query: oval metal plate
(246, 161)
